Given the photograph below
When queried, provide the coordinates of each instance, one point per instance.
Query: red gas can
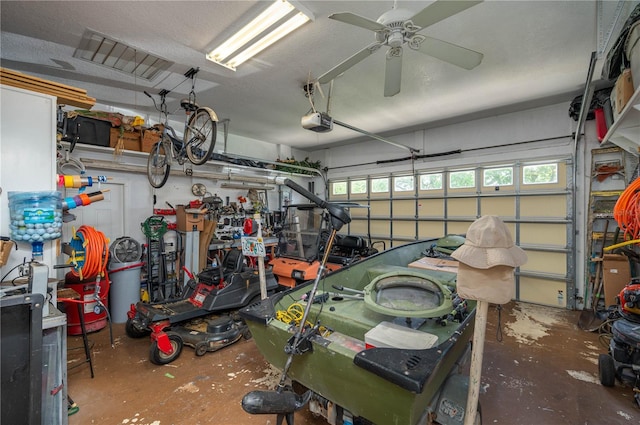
(86, 288)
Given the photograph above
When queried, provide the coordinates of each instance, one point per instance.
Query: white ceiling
(535, 52)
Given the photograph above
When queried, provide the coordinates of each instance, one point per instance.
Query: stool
(72, 294)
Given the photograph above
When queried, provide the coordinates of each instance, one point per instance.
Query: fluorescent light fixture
(269, 39)
(258, 34)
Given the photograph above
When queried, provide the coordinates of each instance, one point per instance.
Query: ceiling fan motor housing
(394, 17)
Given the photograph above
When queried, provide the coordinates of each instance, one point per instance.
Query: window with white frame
(403, 183)
(358, 187)
(431, 181)
(339, 188)
(380, 185)
(502, 176)
(462, 179)
(540, 174)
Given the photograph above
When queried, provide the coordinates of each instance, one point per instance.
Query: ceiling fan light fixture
(275, 22)
(396, 39)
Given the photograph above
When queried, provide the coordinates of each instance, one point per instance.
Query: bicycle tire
(158, 164)
(200, 135)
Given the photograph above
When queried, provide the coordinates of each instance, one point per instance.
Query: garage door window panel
(544, 206)
(546, 262)
(462, 207)
(431, 208)
(547, 234)
(501, 206)
(542, 291)
(497, 179)
(431, 184)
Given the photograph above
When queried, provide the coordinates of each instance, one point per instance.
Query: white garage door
(534, 199)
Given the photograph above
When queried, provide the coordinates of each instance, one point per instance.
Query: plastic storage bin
(89, 131)
(35, 216)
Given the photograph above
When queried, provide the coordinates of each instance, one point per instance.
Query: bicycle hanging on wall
(196, 144)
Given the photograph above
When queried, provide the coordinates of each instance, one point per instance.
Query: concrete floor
(544, 371)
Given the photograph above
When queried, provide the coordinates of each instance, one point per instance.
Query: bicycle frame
(180, 154)
(177, 153)
(196, 144)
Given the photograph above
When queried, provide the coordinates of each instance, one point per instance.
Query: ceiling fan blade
(357, 20)
(348, 63)
(393, 72)
(439, 10)
(451, 53)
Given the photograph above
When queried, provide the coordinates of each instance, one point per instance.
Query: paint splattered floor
(544, 371)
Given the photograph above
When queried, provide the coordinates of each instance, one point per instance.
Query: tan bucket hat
(488, 244)
(495, 285)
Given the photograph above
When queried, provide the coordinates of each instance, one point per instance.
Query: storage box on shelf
(624, 90)
(149, 138)
(88, 130)
(625, 131)
(130, 139)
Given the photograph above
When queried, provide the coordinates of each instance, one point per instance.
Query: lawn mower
(623, 359)
(216, 290)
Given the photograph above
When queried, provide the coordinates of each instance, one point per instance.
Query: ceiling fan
(396, 28)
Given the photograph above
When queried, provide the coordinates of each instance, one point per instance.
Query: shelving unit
(625, 132)
(604, 190)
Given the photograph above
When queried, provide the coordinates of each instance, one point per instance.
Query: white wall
(535, 124)
(139, 194)
(27, 158)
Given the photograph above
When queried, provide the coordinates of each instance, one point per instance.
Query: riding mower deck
(216, 292)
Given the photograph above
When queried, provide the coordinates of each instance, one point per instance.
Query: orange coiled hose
(627, 211)
(96, 258)
(96, 253)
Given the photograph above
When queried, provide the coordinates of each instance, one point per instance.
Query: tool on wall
(80, 181)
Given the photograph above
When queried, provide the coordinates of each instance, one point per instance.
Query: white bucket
(125, 289)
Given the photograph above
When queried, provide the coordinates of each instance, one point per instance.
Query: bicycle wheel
(158, 165)
(200, 136)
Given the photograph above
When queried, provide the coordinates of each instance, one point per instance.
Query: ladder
(609, 177)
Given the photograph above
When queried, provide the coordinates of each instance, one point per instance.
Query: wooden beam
(66, 95)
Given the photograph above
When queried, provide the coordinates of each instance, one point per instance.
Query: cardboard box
(131, 139)
(189, 219)
(624, 90)
(149, 138)
(616, 274)
(438, 264)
